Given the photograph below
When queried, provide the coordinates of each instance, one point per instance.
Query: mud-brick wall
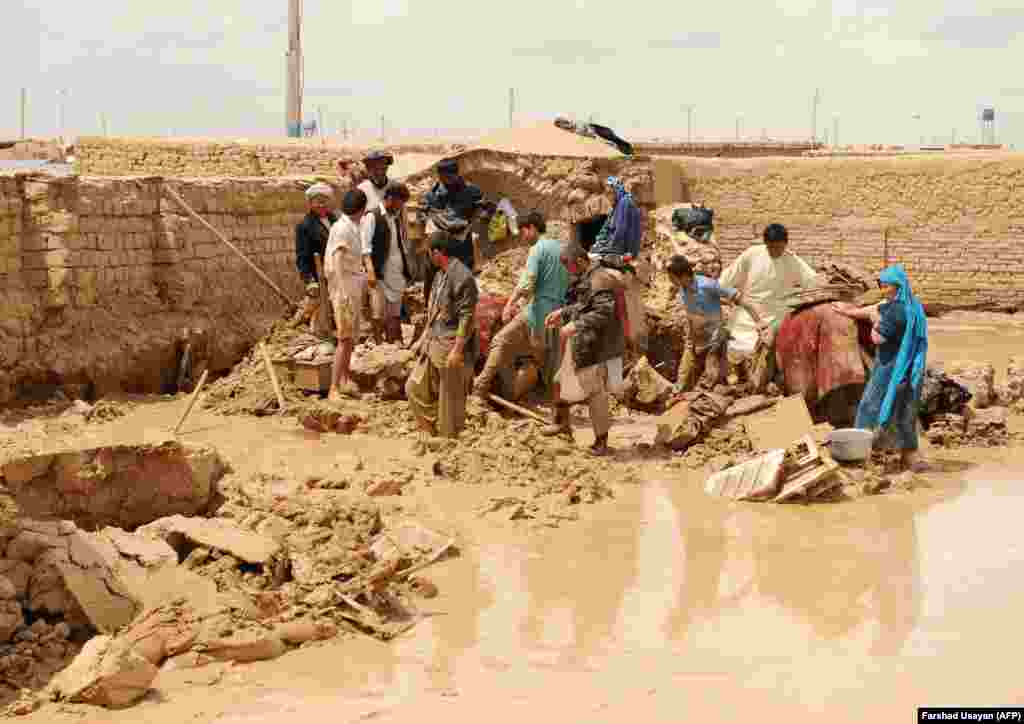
(955, 224)
(101, 276)
(101, 156)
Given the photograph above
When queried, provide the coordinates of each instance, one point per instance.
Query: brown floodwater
(662, 605)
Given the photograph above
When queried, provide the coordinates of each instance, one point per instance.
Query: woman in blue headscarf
(900, 329)
(620, 236)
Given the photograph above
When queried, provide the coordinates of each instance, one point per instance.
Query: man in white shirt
(385, 255)
(377, 163)
(765, 275)
(346, 283)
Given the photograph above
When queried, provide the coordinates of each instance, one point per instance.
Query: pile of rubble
(984, 420)
(252, 569)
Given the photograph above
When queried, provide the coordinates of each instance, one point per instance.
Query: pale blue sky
(216, 67)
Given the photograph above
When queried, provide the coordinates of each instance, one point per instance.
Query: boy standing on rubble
(701, 297)
(346, 282)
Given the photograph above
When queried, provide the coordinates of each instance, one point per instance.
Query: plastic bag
(497, 229)
(571, 388)
(616, 385)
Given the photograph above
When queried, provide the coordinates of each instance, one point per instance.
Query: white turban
(319, 189)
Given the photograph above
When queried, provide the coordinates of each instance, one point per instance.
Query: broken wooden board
(755, 479)
(805, 481)
(780, 426)
(749, 405)
(308, 376)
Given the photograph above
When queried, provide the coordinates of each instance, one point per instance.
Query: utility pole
(814, 115)
(739, 121)
(689, 122)
(103, 124)
(293, 64)
(835, 129)
(24, 103)
(511, 107)
(382, 133)
(61, 95)
(320, 120)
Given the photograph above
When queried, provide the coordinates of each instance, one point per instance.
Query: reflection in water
(834, 567)
(591, 569)
(455, 632)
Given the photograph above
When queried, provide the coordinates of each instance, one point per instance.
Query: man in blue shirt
(702, 299)
(542, 286)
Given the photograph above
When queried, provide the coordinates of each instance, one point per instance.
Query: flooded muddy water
(661, 605)
(667, 605)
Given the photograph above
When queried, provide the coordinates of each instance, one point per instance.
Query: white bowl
(851, 444)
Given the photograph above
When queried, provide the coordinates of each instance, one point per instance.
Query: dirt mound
(247, 389)
(501, 274)
(546, 139)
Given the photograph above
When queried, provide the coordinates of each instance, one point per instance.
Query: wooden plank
(781, 426)
(805, 481)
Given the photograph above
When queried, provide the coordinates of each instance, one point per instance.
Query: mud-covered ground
(593, 590)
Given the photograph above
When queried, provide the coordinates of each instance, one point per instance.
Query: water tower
(988, 126)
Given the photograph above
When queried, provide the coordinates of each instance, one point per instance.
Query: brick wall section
(741, 149)
(100, 156)
(100, 276)
(956, 225)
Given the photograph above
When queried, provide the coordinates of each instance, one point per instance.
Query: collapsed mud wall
(99, 277)
(955, 224)
(569, 190)
(101, 156)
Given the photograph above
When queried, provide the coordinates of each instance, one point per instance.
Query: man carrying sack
(448, 348)
(592, 362)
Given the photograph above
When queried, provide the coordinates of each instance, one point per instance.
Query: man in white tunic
(765, 275)
(385, 255)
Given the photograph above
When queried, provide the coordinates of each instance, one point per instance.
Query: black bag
(693, 217)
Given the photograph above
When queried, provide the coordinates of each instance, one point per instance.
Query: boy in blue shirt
(702, 299)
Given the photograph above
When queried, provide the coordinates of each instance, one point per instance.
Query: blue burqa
(883, 392)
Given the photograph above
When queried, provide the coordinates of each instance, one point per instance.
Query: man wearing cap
(346, 282)
(542, 287)
(451, 206)
(386, 252)
(377, 163)
(311, 236)
(448, 348)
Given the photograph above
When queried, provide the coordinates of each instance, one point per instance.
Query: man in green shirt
(542, 286)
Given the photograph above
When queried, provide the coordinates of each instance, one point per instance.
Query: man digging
(765, 275)
(448, 348)
(542, 286)
(701, 298)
